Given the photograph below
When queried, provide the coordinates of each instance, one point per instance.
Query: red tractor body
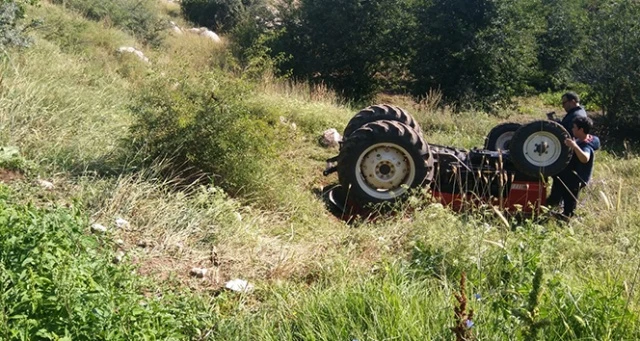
(384, 155)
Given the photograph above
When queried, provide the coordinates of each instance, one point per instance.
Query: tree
(478, 52)
(611, 65)
(350, 45)
(218, 15)
(561, 44)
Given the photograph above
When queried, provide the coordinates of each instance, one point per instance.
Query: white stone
(175, 28)
(118, 258)
(205, 32)
(198, 272)
(122, 224)
(46, 184)
(330, 138)
(138, 53)
(98, 228)
(239, 285)
(196, 30)
(211, 35)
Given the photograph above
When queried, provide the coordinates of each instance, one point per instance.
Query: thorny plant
(531, 315)
(464, 319)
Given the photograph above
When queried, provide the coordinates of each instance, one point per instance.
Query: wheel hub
(384, 169)
(542, 149)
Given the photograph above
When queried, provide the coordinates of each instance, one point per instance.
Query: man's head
(570, 100)
(581, 127)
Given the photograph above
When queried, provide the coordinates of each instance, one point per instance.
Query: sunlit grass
(66, 103)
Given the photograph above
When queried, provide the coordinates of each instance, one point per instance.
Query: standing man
(571, 104)
(567, 185)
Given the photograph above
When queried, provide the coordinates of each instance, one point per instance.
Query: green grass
(69, 104)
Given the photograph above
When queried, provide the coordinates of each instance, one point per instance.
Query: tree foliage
(218, 15)
(11, 33)
(561, 44)
(611, 64)
(480, 51)
(347, 44)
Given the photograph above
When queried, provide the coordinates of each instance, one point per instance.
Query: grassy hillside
(216, 168)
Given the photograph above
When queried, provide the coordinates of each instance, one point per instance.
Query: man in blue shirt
(567, 185)
(570, 104)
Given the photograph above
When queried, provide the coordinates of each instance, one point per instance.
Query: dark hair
(570, 95)
(584, 123)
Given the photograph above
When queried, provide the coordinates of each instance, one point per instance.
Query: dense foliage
(203, 127)
(139, 17)
(479, 53)
(59, 283)
(611, 63)
(11, 33)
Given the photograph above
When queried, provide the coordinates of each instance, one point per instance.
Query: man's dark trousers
(566, 190)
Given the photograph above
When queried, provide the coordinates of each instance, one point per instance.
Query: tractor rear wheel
(381, 161)
(380, 112)
(500, 136)
(538, 149)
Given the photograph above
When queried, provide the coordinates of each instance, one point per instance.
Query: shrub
(139, 17)
(11, 34)
(611, 64)
(478, 53)
(204, 128)
(57, 282)
(219, 15)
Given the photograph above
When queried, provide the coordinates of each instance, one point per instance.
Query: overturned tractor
(384, 155)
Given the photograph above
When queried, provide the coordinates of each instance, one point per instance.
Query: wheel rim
(385, 171)
(502, 142)
(542, 149)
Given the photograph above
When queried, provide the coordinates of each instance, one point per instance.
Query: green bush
(11, 12)
(204, 128)
(478, 53)
(219, 15)
(611, 64)
(139, 17)
(11, 159)
(58, 282)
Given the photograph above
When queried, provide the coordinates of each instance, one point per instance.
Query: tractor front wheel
(538, 149)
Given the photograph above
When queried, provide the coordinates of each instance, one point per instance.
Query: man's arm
(582, 155)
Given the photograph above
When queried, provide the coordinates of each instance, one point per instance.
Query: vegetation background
(209, 152)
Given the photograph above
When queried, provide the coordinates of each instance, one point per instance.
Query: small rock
(198, 272)
(196, 30)
(143, 243)
(238, 216)
(46, 184)
(118, 258)
(330, 138)
(203, 31)
(239, 285)
(175, 28)
(211, 35)
(135, 51)
(98, 228)
(119, 242)
(122, 224)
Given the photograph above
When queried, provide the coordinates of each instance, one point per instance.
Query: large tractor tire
(381, 161)
(500, 136)
(380, 112)
(538, 150)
